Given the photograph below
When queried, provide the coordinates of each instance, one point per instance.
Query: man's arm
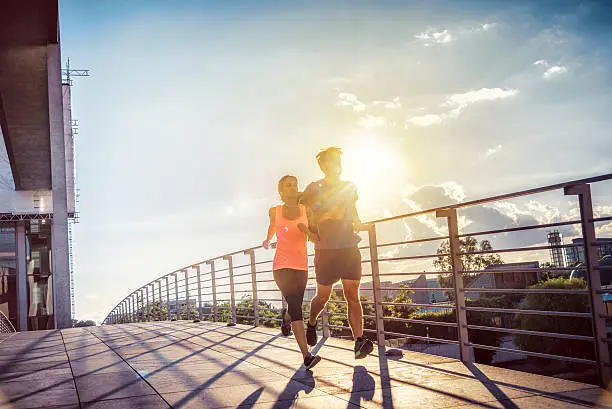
(306, 198)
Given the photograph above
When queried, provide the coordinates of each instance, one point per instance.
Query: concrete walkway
(207, 365)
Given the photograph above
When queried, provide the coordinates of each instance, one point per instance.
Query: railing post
(141, 307)
(251, 254)
(153, 299)
(230, 265)
(187, 307)
(176, 303)
(123, 313)
(457, 267)
(213, 285)
(378, 308)
(134, 315)
(167, 298)
(593, 280)
(199, 281)
(325, 322)
(159, 302)
(148, 306)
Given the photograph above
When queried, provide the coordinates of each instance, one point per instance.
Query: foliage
(81, 323)
(482, 337)
(470, 262)
(564, 325)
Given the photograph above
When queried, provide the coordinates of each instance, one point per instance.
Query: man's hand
(311, 236)
(358, 226)
(266, 244)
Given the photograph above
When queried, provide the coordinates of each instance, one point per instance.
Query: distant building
(390, 290)
(575, 255)
(507, 279)
(557, 254)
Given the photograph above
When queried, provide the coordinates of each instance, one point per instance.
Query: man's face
(332, 165)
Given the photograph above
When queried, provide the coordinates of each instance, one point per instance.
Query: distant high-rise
(557, 253)
(575, 255)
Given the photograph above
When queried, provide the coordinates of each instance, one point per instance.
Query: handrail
(6, 327)
(226, 294)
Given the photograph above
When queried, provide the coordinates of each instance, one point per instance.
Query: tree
(563, 325)
(470, 262)
(81, 323)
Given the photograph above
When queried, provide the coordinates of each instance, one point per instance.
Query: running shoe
(363, 347)
(311, 360)
(311, 334)
(286, 324)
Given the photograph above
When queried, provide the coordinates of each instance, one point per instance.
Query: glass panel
(8, 279)
(39, 279)
(40, 301)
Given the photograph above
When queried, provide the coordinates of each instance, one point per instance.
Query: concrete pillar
(22, 278)
(59, 233)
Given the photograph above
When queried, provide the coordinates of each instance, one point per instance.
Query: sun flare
(376, 167)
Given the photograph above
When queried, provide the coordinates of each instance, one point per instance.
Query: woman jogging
(290, 266)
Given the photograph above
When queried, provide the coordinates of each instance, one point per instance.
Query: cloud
(551, 70)
(426, 120)
(431, 36)
(459, 102)
(483, 94)
(393, 104)
(492, 151)
(348, 99)
(554, 71)
(373, 122)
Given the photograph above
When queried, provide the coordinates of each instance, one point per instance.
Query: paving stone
(233, 396)
(101, 386)
(34, 394)
(136, 402)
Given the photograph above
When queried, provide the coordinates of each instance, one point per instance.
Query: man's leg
(318, 302)
(354, 310)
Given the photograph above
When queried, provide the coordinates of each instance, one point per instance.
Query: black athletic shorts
(332, 265)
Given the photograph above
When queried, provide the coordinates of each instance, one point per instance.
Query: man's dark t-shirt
(333, 211)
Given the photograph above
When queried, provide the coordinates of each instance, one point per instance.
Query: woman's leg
(292, 284)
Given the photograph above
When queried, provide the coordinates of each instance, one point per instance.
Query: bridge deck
(208, 365)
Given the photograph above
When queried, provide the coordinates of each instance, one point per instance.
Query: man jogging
(332, 212)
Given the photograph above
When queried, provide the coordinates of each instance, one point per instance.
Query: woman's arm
(272, 214)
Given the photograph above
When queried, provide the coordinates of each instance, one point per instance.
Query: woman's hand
(266, 244)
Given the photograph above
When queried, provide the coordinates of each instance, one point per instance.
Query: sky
(195, 109)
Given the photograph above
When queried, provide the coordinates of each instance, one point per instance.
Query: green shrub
(564, 325)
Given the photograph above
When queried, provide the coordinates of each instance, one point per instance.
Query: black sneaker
(311, 360)
(363, 347)
(311, 334)
(286, 324)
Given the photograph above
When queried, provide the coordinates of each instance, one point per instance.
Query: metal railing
(238, 286)
(5, 324)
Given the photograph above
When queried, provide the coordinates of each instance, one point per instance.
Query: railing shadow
(491, 386)
(385, 378)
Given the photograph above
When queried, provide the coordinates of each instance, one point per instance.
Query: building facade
(36, 169)
(575, 255)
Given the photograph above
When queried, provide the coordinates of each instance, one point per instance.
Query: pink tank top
(290, 241)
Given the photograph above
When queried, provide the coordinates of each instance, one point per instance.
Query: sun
(375, 166)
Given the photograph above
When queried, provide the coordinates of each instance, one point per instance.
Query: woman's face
(289, 189)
